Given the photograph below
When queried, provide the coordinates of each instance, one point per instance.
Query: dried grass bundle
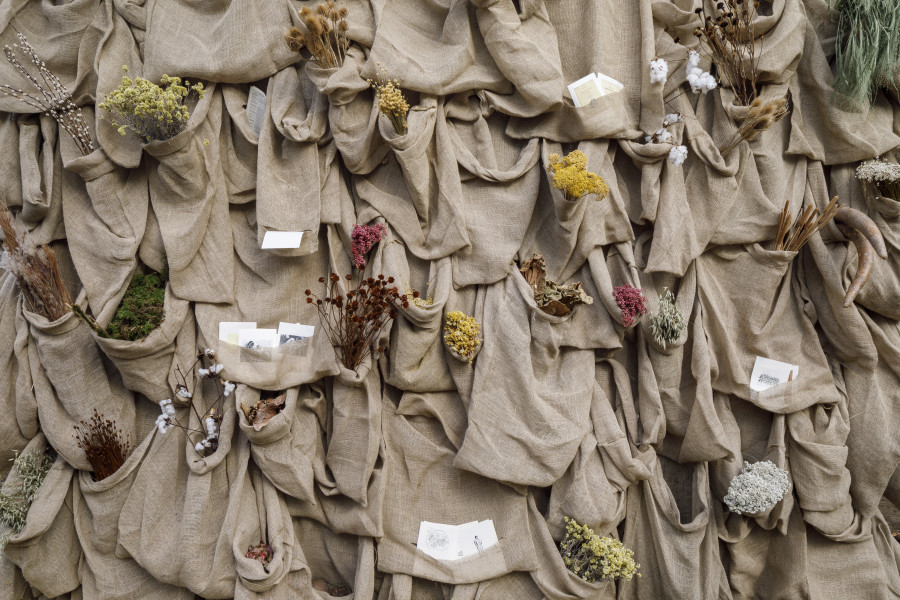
(104, 444)
(36, 270)
(760, 117)
(325, 36)
(793, 236)
(729, 39)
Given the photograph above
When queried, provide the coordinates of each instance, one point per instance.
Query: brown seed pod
(861, 222)
(865, 259)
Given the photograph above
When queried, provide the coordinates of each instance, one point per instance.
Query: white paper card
(257, 338)
(228, 330)
(256, 108)
(294, 331)
(769, 373)
(282, 239)
(608, 85)
(453, 542)
(585, 90)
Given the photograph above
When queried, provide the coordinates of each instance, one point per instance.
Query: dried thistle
(570, 175)
(594, 558)
(31, 469)
(104, 444)
(325, 36)
(354, 321)
(36, 271)
(391, 102)
(151, 111)
(461, 334)
(54, 101)
(728, 38)
(760, 117)
(262, 411)
(668, 324)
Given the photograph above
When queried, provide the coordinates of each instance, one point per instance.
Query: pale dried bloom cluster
(757, 488)
(461, 334)
(667, 324)
(152, 112)
(885, 176)
(55, 100)
(326, 34)
(570, 175)
(390, 99)
(760, 117)
(594, 558)
(697, 78)
(659, 70)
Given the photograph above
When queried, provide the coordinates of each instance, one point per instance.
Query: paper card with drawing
(294, 331)
(768, 373)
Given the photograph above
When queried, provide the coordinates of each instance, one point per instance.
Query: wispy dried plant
(729, 39)
(325, 36)
(793, 236)
(54, 101)
(104, 444)
(36, 270)
(760, 117)
(30, 470)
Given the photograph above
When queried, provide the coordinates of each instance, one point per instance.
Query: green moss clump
(141, 310)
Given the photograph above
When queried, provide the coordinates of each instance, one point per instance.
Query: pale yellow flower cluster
(593, 558)
(571, 176)
(153, 112)
(391, 101)
(461, 334)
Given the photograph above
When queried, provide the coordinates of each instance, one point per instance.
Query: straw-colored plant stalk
(36, 271)
(728, 38)
(390, 99)
(793, 236)
(760, 117)
(325, 36)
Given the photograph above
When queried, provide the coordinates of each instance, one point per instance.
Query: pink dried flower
(632, 302)
(261, 552)
(364, 237)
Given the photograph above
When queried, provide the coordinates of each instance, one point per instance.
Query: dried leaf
(535, 271)
(567, 296)
(266, 409)
(248, 413)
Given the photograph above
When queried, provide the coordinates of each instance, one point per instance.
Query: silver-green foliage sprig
(667, 324)
(30, 469)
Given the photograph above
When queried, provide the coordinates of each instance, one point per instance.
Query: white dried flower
(215, 369)
(699, 80)
(659, 70)
(672, 118)
(757, 488)
(164, 423)
(202, 372)
(229, 388)
(201, 446)
(182, 392)
(212, 429)
(677, 155)
(878, 171)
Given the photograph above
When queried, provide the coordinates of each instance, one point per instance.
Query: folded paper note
(257, 338)
(453, 542)
(256, 108)
(228, 330)
(282, 239)
(294, 331)
(769, 373)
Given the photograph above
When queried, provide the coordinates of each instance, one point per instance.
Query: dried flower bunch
(36, 271)
(326, 34)
(104, 444)
(262, 552)
(354, 321)
(632, 302)
(211, 416)
(883, 175)
(139, 313)
(151, 111)
(336, 591)
(30, 470)
(757, 488)
(760, 116)
(728, 38)
(55, 100)
(594, 558)
(793, 236)
(461, 333)
(390, 99)
(668, 324)
(363, 238)
(570, 175)
(550, 297)
(867, 49)
(262, 411)
(419, 300)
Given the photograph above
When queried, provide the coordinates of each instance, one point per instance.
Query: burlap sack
(471, 301)
(338, 559)
(70, 385)
(423, 480)
(10, 171)
(15, 586)
(49, 536)
(182, 532)
(97, 506)
(232, 42)
(21, 425)
(148, 365)
(416, 360)
(189, 199)
(419, 193)
(295, 159)
(238, 145)
(674, 503)
(499, 179)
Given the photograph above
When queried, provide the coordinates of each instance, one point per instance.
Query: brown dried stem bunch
(104, 444)
(353, 321)
(55, 100)
(325, 36)
(793, 236)
(729, 39)
(36, 270)
(760, 117)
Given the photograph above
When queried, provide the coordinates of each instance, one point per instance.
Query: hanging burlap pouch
(41, 174)
(21, 424)
(338, 560)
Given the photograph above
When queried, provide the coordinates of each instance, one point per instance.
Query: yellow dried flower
(390, 100)
(571, 176)
(592, 557)
(461, 334)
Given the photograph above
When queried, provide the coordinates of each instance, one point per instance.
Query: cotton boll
(659, 70)
(229, 388)
(673, 118)
(678, 155)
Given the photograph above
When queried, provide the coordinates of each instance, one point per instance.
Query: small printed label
(585, 90)
(256, 108)
(282, 239)
(608, 85)
(768, 373)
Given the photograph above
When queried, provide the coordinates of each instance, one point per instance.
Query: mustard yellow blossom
(571, 176)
